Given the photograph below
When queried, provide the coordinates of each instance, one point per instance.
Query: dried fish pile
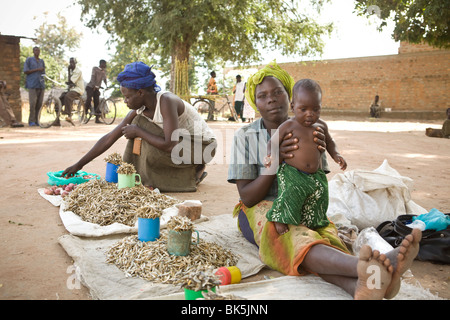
(101, 202)
(114, 158)
(149, 212)
(200, 280)
(152, 262)
(126, 168)
(178, 224)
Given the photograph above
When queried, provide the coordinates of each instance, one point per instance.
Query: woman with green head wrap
(268, 91)
(300, 250)
(271, 70)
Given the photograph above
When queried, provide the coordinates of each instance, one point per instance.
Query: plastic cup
(111, 172)
(148, 229)
(194, 295)
(128, 180)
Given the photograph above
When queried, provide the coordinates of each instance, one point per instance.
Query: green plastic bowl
(55, 179)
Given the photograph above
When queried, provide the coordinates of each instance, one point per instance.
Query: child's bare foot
(374, 274)
(281, 228)
(405, 255)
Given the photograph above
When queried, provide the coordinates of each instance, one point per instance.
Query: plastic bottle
(229, 275)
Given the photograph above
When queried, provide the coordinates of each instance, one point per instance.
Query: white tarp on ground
(308, 287)
(368, 198)
(106, 281)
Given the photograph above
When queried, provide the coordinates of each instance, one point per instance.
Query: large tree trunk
(179, 69)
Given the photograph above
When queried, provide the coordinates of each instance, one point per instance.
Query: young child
(302, 184)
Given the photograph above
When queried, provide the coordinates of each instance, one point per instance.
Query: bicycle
(211, 108)
(52, 111)
(107, 106)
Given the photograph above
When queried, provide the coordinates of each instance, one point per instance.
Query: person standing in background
(238, 90)
(93, 89)
(212, 89)
(212, 85)
(34, 68)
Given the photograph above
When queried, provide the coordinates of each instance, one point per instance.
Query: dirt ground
(34, 266)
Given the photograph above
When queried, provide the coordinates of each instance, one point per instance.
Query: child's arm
(332, 147)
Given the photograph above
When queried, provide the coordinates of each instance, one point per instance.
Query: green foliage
(125, 54)
(57, 39)
(416, 21)
(216, 30)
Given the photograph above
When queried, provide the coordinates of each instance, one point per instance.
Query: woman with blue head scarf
(169, 143)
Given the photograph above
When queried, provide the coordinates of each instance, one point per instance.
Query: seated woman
(169, 142)
(300, 250)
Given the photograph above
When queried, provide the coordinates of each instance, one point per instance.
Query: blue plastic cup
(111, 172)
(148, 229)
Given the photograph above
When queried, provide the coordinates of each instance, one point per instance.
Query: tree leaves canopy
(416, 21)
(228, 30)
(57, 39)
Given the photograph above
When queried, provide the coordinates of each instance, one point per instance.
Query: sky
(353, 36)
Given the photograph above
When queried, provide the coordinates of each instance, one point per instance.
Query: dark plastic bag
(434, 246)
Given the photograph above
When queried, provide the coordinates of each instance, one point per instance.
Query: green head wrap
(272, 69)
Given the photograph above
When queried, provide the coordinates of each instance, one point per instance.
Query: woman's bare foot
(281, 228)
(405, 255)
(374, 274)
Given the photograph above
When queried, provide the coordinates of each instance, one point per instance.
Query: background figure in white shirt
(76, 88)
(238, 91)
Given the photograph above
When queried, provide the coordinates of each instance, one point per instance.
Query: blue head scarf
(137, 75)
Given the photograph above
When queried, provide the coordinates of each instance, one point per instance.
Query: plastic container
(179, 243)
(148, 229)
(194, 295)
(111, 172)
(371, 237)
(418, 224)
(229, 275)
(127, 180)
(55, 178)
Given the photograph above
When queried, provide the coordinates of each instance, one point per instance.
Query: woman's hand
(288, 145)
(319, 138)
(131, 131)
(71, 171)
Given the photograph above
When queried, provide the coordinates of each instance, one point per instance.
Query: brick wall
(10, 71)
(413, 82)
